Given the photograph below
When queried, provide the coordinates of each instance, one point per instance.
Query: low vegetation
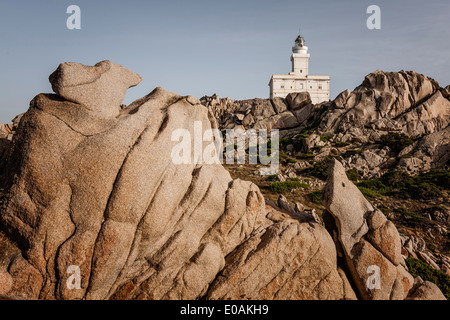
(316, 197)
(395, 141)
(320, 168)
(426, 272)
(341, 144)
(412, 219)
(326, 138)
(281, 187)
(353, 174)
(424, 186)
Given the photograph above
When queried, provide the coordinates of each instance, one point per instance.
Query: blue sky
(226, 47)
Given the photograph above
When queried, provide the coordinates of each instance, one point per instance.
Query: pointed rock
(347, 205)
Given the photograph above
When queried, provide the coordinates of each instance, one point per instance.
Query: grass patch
(419, 268)
(411, 218)
(287, 186)
(341, 144)
(427, 185)
(405, 156)
(353, 175)
(307, 156)
(326, 138)
(369, 193)
(316, 197)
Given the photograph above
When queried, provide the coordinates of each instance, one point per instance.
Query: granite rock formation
(90, 188)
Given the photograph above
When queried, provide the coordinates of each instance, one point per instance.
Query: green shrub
(307, 156)
(374, 185)
(405, 156)
(326, 138)
(418, 268)
(396, 141)
(353, 175)
(302, 135)
(411, 218)
(271, 177)
(383, 209)
(369, 193)
(439, 177)
(290, 160)
(342, 144)
(424, 186)
(320, 168)
(287, 186)
(296, 143)
(316, 197)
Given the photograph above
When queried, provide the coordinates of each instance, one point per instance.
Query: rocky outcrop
(389, 101)
(91, 190)
(98, 209)
(273, 113)
(370, 243)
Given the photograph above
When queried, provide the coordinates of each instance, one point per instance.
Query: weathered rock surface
(6, 282)
(349, 215)
(371, 244)
(425, 290)
(273, 113)
(286, 259)
(415, 247)
(403, 101)
(100, 88)
(91, 186)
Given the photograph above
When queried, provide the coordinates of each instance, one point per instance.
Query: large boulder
(298, 100)
(390, 101)
(425, 290)
(93, 193)
(370, 243)
(100, 88)
(288, 258)
(346, 203)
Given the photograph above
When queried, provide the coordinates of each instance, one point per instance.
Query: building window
(282, 86)
(301, 71)
(320, 87)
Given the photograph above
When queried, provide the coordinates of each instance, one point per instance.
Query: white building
(299, 79)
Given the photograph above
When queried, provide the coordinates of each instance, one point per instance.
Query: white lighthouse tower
(300, 57)
(298, 79)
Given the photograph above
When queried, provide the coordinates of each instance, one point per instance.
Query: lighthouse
(299, 79)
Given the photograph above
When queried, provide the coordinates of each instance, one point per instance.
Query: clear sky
(228, 47)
